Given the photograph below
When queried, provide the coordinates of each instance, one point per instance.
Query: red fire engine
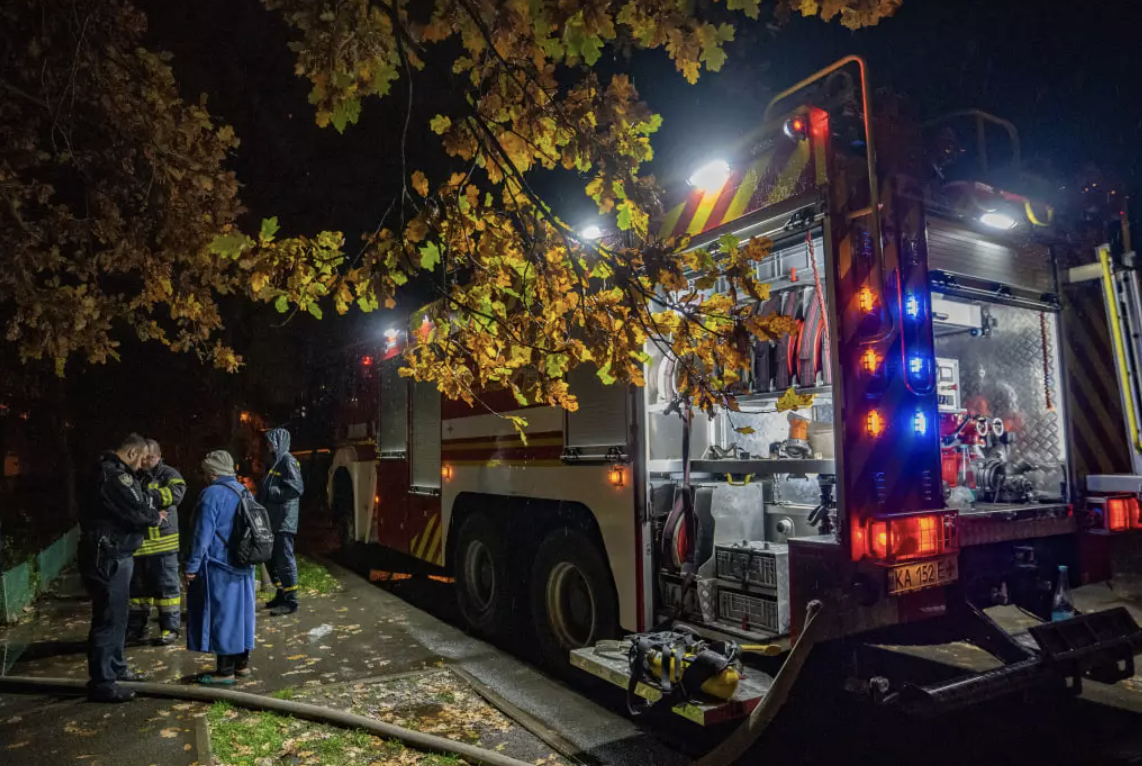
(954, 455)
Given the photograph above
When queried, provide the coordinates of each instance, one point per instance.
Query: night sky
(1066, 74)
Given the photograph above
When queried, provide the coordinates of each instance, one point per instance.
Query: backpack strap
(241, 496)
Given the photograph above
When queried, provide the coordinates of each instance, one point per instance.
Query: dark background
(1065, 73)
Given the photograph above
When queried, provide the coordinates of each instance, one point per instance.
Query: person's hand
(191, 575)
(163, 515)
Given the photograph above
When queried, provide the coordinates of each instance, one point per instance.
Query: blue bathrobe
(220, 599)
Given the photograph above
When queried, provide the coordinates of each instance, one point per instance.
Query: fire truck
(974, 427)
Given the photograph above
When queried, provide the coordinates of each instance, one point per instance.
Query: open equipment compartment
(1003, 435)
(758, 474)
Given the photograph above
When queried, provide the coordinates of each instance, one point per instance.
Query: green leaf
(580, 43)
(269, 230)
(399, 278)
(230, 245)
(346, 113)
(281, 304)
(728, 242)
(314, 309)
(429, 256)
(439, 124)
(604, 374)
(749, 7)
(555, 365)
(624, 219)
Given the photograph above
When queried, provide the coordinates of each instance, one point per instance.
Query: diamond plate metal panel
(1002, 374)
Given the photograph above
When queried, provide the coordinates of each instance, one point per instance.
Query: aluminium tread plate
(612, 668)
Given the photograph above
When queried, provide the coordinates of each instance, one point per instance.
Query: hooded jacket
(282, 488)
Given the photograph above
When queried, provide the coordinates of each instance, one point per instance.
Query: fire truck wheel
(481, 575)
(572, 599)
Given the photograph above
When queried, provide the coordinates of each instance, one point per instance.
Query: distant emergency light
(912, 306)
(711, 177)
(920, 423)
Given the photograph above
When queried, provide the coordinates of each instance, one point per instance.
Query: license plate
(926, 574)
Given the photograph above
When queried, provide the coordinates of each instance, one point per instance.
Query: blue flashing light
(916, 366)
(920, 423)
(912, 306)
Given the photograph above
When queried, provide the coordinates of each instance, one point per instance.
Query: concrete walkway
(361, 633)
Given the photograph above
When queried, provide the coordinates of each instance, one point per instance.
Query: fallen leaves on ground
(73, 728)
(169, 733)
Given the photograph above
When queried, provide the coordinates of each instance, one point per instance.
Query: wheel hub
(570, 605)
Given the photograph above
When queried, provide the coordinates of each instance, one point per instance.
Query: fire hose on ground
(726, 753)
(414, 739)
(740, 741)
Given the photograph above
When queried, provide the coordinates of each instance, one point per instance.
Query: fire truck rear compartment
(758, 474)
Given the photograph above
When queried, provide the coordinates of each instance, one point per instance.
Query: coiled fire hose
(736, 745)
(414, 739)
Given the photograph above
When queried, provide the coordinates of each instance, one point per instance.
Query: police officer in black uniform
(155, 581)
(116, 514)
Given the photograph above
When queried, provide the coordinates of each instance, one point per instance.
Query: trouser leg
(142, 598)
(108, 583)
(169, 592)
(242, 661)
(288, 571)
(283, 567)
(229, 664)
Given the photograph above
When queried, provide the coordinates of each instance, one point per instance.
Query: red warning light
(796, 128)
(366, 361)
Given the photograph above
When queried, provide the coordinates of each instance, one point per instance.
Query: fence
(20, 585)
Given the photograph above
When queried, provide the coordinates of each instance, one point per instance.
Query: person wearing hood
(220, 598)
(281, 495)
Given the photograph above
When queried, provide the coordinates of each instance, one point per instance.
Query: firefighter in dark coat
(156, 581)
(115, 515)
(281, 495)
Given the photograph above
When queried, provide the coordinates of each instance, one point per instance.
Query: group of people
(129, 559)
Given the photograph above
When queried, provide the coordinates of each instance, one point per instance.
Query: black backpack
(252, 539)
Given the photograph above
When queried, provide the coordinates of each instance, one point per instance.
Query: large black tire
(573, 601)
(482, 586)
(342, 508)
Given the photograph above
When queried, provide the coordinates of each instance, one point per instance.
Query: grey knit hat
(219, 463)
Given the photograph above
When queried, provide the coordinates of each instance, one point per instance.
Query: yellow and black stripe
(426, 545)
(156, 542)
